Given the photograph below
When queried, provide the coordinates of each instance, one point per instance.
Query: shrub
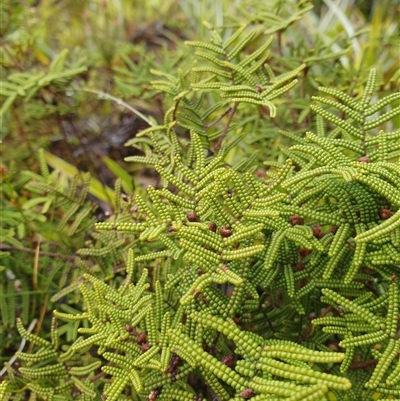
(243, 277)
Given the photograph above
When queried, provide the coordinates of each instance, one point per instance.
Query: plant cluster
(263, 275)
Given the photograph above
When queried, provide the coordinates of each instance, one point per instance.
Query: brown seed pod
(364, 159)
(228, 360)
(385, 214)
(192, 216)
(317, 231)
(333, 229)
(173, 363)
(303, 252)
(247, 393)
(260, 174)
(175, 360)
(225, 232)
(296, 220)
(212, 227)
(141, 338)
(144, 347)
(153, 394)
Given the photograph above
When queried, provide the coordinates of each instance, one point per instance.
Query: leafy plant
(227, 278)
(246, 261)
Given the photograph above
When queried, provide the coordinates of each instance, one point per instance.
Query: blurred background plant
(110, 47)
(76, 80)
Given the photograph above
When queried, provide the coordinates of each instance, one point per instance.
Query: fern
(27, 85)
(230, 277)
(225, 236)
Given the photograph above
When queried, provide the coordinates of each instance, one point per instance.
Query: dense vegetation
(199, 210)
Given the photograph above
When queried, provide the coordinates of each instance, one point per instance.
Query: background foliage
(226, 101)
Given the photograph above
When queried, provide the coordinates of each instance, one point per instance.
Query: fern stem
(232, 112)
(218, 119)
(41, 253)
(120, 102)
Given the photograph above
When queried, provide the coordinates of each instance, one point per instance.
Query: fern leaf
(57, 65)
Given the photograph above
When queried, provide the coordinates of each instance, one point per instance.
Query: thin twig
(36, 267)
(100, 374)
(265, 111)
(207, 126)
(279, 41)
(176, 109)
(120, 102)
(4, 247)
(232, 112)
(42, 314)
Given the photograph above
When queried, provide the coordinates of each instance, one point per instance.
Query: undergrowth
(260, 263)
